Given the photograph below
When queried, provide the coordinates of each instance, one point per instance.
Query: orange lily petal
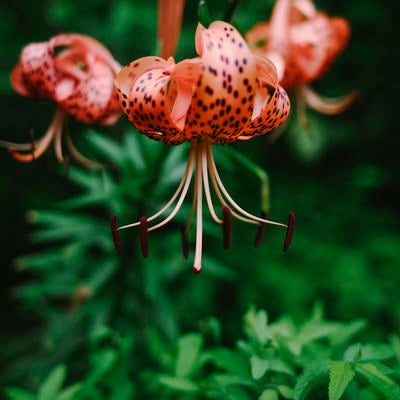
(89, 100)
(145, 97)
(34, 75)
(315, 45)
(184, 76)
(279, 27)
(272, 102)
(326, 105)
(170, 14)
(86, 44)
(223, 102)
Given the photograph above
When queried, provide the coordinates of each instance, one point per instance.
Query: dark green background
(345, 192)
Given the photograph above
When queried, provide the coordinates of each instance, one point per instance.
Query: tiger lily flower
(76, 72)
(303, 42)
(224, 95)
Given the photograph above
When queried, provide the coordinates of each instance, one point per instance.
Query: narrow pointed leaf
(341, 374)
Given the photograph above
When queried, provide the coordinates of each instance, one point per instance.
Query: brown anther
(289, 230)
(260, 230)
(144, 236)
(226, 226)
(185, 242)
(196, 270)
(114, 233)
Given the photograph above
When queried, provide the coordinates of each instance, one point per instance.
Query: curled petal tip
(289, 231)
(114, 233)
(144, 236)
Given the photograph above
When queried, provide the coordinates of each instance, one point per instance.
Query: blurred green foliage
(82, 322)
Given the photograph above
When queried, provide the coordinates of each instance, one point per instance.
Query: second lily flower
(224, 95)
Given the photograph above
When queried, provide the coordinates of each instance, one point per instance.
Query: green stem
(259, 172)
(232, 6)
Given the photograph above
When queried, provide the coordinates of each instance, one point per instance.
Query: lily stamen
(201, 159)
(227, 226)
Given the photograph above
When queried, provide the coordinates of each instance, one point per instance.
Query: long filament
(229, 198)
(207, 185)
(40, 146)
(217, 189)
(188, 173)
(199, 215)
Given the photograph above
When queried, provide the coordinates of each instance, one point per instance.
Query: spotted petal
(272, 102)
(90, 99)
(155, 95)
(223, 102)
(35, 74)
(85, 45)
(315, 44)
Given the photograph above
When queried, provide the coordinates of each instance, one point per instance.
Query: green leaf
(258, 367)
(370, 351)
(179, 383)
(228, 380)
(269, 394)
(49, 389)
(229, 361)
(395, 341)
(375, 374)
(341, 374)
(313, 375)
(106, 146)
(189, 347)
(70, 392)
(286, 391)
(14, 393)
(256, 325)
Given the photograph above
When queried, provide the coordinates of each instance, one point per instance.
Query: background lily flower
(303, 43)
(75, 71)
(224, 95)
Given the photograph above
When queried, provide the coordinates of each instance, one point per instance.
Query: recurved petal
(272, 105)
(35, 73)
(184, 78)
(340, 34)
(150, 99)
(86, 44)
(223, 101)
(326, 105)
(258, 38)
(126, 78)
(90, 99)
(316, 43)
